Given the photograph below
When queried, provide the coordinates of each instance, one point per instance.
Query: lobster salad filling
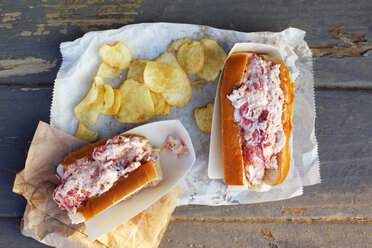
(90, 177)
(258, 103)
(176, 146)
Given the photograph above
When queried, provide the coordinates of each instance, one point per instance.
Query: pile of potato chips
(151, 87)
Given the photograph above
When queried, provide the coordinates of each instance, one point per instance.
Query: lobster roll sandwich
(257, 99)
(104, 173)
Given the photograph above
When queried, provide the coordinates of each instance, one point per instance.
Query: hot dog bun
(145, 175)
(232, 152)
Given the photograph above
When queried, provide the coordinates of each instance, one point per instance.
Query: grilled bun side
(123, 188)
(231, 148)
(275, 177)
(232, 153)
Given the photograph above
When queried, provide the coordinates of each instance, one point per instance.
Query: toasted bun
(122, 189)
(275, 177)
(232, 152)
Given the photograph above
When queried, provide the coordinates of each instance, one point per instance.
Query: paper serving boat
(174, 170)
(215, 163)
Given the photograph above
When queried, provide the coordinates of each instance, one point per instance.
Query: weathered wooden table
(336, 213)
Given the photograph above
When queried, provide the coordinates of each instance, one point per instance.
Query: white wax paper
(148, 41)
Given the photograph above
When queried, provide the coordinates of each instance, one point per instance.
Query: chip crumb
(201, 81)
(199, 87)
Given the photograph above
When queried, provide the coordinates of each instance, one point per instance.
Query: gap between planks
(284, 221)
(40, 86)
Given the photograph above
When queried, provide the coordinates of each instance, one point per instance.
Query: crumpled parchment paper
(47, 224)
(148, 41)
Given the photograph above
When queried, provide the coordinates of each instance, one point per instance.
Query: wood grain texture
(234, 234)
(11, 237)
(20, 111)
(35, 29)
(278, 235)
(349, 47)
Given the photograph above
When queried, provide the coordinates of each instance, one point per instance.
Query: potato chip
(88, 109)
(215, 57)
(203, 117)
(191, 57)
(117, 56)
(84, 133)
(175, 45)
(182, 97)
(136, 103)
(160, 105)
(136, 69)
(163, 78)
(107, 72)
(108, 98)
(117, 102)
(112, 101)
(168, 58)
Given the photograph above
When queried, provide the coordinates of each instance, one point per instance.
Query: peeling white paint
(31, 89)
(26, 33)
(10, 16)
(28, 65)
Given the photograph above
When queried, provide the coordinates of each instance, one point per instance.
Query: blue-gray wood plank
(11, 237)
(31, 31)
(334, 213)
(21, 109)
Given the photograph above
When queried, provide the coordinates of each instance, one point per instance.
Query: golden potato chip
(175, 45)
(182, 97)
(112, 101)
(136, 103)
(168, 58)
(215, 57)
(116, 106)
(84, 133)
(107, 72)
(88, 109)
(160, 105)
(163, 78)
(203, 117)
(108, 97)
(136, 69)
(117, 56)
(191, 57)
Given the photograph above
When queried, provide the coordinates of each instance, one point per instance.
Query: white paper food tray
(174, 170)
(215, 164)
